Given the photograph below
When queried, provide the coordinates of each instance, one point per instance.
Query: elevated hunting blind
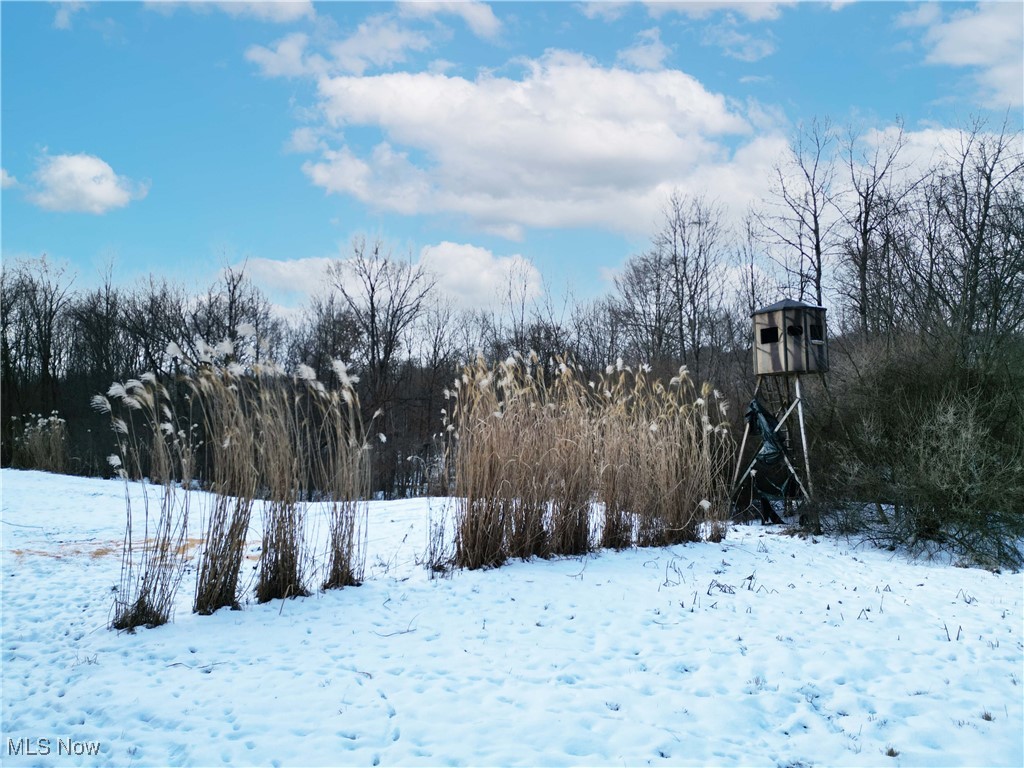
(790, 341)
(789, 337)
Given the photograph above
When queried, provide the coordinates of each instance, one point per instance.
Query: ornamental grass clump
(524, 491)
(223, 395)
(40, 443)
(570, 462)
(281, 460)
(340, 464)
(287, 442)
(150, 442)
(482, 471)
(538, 457)
(683, 460)
(255, 438)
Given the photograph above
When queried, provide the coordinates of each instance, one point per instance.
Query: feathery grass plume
(680, 458)
(282, 440)
(571, 464)
(617, 462)
(151, 567)
(225, 398)
(525, 493)
(40, 442)
(532, 458)
(481, 512)
(523, 463)
(281, 459)
(339, 460)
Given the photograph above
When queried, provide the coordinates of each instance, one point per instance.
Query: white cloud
(379, 41)
(753, 10)
(470, 276)
(988, 38)
(473, 277)
(922, 149)
(440, 66)
(648, 52)
(305, 140)
(279, 12)
(569, 144)
(62, 19)
(287, 57)
(276, 12)
(922, 15)
(6, 180)
(736, 44)
(926, 148)
(607, 10)
(742, 179)
(478, 16)
(292, 281)
(83, 183)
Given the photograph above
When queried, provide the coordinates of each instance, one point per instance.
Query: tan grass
(40, 442)
(285, 441)
(534, 452)
(281, 457)
(339, 461)
(150, 443)
(222, 396)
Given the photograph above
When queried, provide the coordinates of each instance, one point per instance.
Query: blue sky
(540, 139)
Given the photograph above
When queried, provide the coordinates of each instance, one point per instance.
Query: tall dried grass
(40, 442)
(223, 395)
(532, 458)
(285, 441)
(340, 464)
(664, 455)
(153, 556)
(281, 464)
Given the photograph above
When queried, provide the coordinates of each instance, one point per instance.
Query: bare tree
(154, 315)
(596, 329)
(45, 293)
(385, 296)
(13, 344)
(754, 286)
(691, 239)
(804, 213)
(101, 350)
(327, 331)
(959, 246)
(875, 201)
(230, 304)
(980, 204)
(644, 307)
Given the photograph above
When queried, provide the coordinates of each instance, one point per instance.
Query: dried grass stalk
(150, 442)
(532, 458)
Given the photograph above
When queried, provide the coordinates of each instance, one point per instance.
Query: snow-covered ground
(765, 649)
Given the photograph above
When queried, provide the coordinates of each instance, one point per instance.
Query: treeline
(921, 265)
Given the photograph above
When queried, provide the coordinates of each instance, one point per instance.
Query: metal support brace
(796, 405)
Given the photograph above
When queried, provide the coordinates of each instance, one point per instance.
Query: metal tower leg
(803, 438)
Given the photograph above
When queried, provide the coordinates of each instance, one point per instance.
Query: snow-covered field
(765, 649)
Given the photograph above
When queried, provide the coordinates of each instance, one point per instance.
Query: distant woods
(920, 261)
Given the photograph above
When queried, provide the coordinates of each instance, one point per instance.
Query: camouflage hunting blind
(789, 337)
(790, 341)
